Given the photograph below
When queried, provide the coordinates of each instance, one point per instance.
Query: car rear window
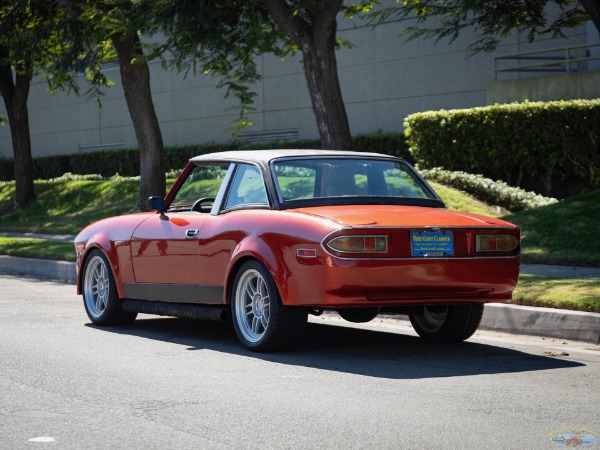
(318, 178)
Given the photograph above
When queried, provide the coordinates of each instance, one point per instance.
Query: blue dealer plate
(431, 243)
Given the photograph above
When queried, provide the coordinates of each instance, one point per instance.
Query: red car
(270, 236)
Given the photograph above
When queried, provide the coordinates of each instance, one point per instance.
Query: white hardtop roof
(264, 156)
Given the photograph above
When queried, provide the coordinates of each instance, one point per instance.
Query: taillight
(495, 243)
(359, 244)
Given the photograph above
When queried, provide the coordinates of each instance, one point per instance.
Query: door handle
(191, 234)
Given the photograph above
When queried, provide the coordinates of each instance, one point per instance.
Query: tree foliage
(215, 38)
(492, 20)
(36, 37)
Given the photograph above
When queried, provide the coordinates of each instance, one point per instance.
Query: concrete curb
(547, 322)
(38, 268)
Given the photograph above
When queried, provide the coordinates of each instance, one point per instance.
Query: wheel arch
(270, 263)
(104, 245)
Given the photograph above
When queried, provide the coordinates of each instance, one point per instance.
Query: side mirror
(156, 204)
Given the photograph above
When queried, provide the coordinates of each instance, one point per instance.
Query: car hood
(400, 216)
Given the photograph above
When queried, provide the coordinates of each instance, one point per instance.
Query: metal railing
(273, 135)
(98, 147)
(555, 60)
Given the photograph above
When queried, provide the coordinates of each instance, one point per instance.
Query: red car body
(153, 257)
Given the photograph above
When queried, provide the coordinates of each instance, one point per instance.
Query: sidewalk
(545, 270)
(548, 322)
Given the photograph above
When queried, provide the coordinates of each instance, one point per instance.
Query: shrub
(544, 139)
(7, 169)
(489, 191)
(106, 162)
(51, 166)
(126, 162)
(387, 143)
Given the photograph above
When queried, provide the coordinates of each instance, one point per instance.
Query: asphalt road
(174, 384)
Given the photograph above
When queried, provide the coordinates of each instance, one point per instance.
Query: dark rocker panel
(183, 310)
(175, 293)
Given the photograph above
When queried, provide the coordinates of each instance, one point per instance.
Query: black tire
(100, 296)
(358, 315)
(261, 322)
(452, 323)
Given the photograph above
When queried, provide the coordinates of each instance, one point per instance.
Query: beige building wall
(383, 80)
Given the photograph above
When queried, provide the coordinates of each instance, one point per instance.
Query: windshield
(350, 180)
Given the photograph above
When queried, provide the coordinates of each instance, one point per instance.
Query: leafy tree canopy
(219, 38)
(492, 20)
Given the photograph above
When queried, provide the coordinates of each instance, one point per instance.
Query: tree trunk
(15, 94)
(592, 7)
(135, 77)
(320, 70)
(316, 38)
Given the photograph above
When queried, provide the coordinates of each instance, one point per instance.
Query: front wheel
(100, 297)
(260, 320)
(447, 323)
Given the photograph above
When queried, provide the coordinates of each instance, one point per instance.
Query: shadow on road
(336, 348)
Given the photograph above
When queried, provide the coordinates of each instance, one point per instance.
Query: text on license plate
(431, 243)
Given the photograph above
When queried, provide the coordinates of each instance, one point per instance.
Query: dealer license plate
(432, 243)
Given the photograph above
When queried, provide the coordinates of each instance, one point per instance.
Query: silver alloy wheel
(96, 286)
(432, 320)
(252, 305)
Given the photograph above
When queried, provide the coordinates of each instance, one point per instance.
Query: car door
(165, 247)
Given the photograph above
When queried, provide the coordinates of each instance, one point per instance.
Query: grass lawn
(460, 201)
(564, 293)
(565, 233)
(37, 248)
(68, 206)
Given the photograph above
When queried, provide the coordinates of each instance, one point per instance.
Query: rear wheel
(100, 297)
(451, 323)
(260, 320)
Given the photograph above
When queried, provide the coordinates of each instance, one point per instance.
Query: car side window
(202, 182)
(247, 188)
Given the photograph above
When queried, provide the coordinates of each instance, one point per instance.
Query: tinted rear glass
(318, 178)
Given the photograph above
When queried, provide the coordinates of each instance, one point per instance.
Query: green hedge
(552, 140)
(126, 162)
(492, 192)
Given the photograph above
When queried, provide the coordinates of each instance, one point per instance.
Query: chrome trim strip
(415, 228)
(428, 227)
(219, 199)
(425, 258)
(413, 258)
